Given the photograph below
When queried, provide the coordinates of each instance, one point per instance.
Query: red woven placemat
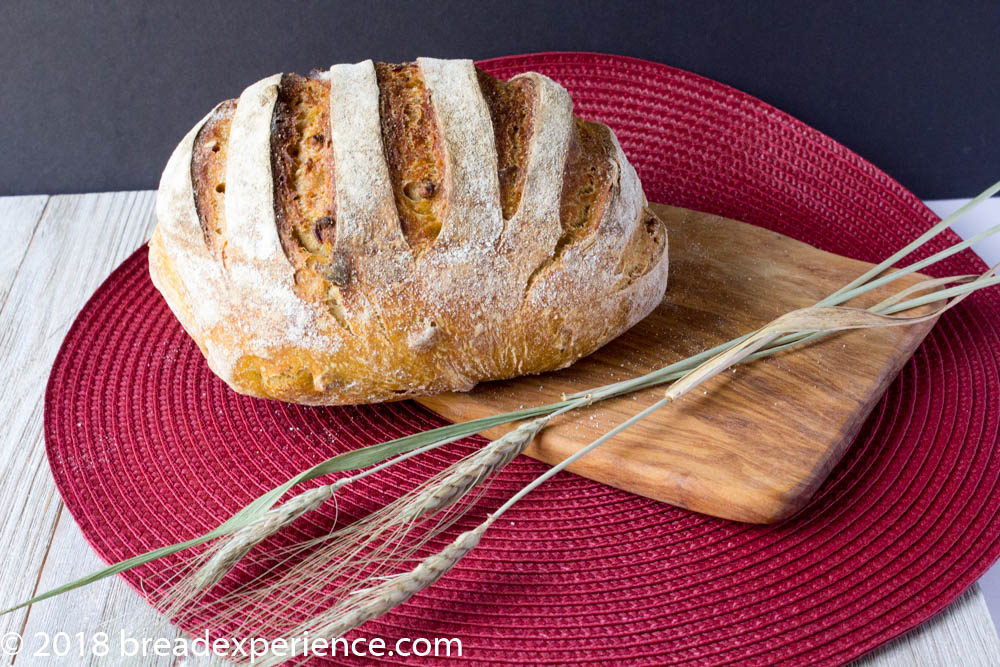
(147, 447)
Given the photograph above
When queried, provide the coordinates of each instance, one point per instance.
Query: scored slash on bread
(376, 232)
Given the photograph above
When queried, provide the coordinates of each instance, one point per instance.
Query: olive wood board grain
(752, 444)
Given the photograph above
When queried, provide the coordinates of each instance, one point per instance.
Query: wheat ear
(380, 453)
(366, 603)
(180, 594)
(472, 471)
(356, 552)
(239, 543)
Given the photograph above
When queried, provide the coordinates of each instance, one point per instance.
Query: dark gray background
(96, 94)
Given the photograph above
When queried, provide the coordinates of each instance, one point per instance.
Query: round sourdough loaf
(376, 232)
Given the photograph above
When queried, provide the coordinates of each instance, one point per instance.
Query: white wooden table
(54, 252)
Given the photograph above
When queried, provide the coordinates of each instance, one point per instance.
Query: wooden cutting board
(752, 444)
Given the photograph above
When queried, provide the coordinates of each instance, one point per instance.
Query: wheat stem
(887, 263)
(569, 460)
(367, 603)
(435, 437)
(360, 548)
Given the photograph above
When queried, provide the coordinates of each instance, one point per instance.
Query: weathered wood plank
(963, 634)
(107, 606)
(78, 241)
(18, 218)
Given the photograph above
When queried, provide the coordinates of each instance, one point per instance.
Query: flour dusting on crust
(488, 298)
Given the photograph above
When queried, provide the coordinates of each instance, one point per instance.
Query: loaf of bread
(377, 232)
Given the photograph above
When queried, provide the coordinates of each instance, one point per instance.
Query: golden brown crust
(208, 172)
(587, 183)
(586, 191)
(337, 287)
(510, 104)
(302, 168)
(413, 152)
(644, 247)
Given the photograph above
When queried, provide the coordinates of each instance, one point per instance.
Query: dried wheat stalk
(387, 536)
(370, 601)
(364, 604)
(349, 554)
